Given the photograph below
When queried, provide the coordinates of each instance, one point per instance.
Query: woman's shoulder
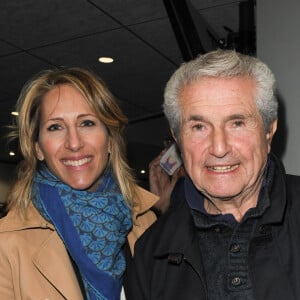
(16, 221)
(22, 236)
(143, 200)
(142, 215)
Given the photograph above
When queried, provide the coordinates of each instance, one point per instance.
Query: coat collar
(142, 216)
(276, 189)
(143, 201)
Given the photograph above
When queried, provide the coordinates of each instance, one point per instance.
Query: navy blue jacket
(168, 264)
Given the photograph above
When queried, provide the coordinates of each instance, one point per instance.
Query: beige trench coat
(34, 264)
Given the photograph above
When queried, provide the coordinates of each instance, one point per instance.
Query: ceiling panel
(39, 34)
(160, 36)
(30, 23)
(5, 49)
(130, 12)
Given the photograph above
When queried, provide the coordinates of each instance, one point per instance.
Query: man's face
(222, 138)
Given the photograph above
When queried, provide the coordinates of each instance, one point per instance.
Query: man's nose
(219, 143)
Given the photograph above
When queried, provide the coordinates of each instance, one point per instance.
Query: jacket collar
(276, 190)
(179, 222)
(183, 244)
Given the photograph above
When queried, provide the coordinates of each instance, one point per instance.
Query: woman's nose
(74, 140)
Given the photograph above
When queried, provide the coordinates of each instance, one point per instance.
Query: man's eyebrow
(200, 118)
(195, 118)
(237, 116)
(240, 117)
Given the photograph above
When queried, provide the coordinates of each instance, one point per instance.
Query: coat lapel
(57, 267)
(142, 216)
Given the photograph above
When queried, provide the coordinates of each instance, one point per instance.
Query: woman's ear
(39, 152)
(109, 145)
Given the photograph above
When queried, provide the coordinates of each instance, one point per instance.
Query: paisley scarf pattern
(93, 227)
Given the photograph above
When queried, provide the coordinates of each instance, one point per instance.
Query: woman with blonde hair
(74, 201)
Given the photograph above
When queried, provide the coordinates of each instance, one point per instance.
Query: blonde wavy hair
(26, 129)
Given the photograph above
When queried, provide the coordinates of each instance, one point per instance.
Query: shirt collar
(195, 199)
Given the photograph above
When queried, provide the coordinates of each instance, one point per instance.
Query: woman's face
(72, 140)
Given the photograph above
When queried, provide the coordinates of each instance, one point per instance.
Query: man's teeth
(223, 169)
(76, 163)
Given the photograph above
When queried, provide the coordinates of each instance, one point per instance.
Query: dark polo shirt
(224, 243)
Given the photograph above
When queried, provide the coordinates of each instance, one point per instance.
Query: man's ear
(174, 136)
(270, 134)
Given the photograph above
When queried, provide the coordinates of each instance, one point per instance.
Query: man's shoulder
(293, 183)
(293, 187)
(169, 228)
(293, 178)
(165, 222)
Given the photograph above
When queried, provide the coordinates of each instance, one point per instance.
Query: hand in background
(161, 184)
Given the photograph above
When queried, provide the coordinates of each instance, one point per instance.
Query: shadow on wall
(280, 138)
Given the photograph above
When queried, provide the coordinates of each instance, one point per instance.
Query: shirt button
(262, 229)
(236, 281)
(235, 248)
(217, 229)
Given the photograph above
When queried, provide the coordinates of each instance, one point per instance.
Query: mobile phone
(171, 161)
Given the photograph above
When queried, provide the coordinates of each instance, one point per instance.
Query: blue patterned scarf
(93, 227)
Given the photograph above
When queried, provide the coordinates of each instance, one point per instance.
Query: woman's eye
(53, 127)
(88, 123)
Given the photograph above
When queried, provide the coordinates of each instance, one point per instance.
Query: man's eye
(198, 127)
(238, 123)
(53, 127)
(88, 123)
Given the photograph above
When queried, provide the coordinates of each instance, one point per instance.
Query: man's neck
(236, 207)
